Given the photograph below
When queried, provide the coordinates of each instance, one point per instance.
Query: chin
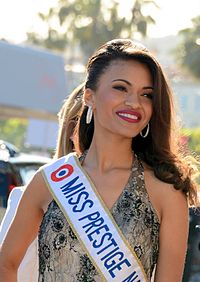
(122, 132)
(128, 135)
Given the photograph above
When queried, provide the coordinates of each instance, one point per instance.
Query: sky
(18, 17)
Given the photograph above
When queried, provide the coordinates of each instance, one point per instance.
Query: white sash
(92, 222)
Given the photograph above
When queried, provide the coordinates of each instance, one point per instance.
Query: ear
(88, 97)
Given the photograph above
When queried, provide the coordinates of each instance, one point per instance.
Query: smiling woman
(116, 208)
(123, 99)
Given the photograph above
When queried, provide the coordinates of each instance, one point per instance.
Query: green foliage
(188, 52)
(193, 135)
(90, 23)
(13, 131)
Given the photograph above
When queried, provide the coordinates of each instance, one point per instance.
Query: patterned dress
(62, 258)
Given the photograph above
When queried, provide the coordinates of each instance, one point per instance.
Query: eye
(148, 95)
(120, 88)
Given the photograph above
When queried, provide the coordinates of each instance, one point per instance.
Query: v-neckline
(133, 165)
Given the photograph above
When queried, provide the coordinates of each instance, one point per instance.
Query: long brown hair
(67, 117)
(160, 150)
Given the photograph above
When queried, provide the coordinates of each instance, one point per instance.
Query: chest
(109, 186)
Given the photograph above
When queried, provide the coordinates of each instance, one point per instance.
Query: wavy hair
(160, 149)
(67, 117)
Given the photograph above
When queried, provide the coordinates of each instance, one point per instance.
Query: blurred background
(44, 46)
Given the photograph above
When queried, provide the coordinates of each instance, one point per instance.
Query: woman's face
(122, 103)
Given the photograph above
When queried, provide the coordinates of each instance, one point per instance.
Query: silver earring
(147, 132)
(89, 115)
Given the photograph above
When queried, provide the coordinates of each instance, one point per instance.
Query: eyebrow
(127, 82)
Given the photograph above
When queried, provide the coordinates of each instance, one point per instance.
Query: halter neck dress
(61, 256)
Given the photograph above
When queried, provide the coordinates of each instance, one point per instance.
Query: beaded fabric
(61, 256)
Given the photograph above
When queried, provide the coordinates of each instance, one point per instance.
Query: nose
(132, 100)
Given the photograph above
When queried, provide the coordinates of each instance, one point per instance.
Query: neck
(108, 153)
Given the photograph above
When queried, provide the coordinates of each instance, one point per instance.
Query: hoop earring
(89, 115)
(147, 132)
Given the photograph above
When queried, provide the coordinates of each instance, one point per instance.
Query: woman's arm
(24, 227)
(173, 235)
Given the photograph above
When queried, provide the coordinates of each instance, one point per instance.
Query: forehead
(128, 69)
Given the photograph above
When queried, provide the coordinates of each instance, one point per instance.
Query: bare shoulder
(164, 197)
(172, 209)
(37, 191)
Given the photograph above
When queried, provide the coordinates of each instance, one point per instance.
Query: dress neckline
(134, 167)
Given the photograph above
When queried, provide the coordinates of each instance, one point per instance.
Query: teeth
(128, 116)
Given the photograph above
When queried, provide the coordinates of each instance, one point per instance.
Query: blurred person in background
(128, 160)
(7, 181)
(67, 117)
(28, 269)
(4, 183)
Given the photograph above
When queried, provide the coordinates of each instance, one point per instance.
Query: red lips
(129, 115)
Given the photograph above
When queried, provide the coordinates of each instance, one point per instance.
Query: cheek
(148, 105)
(150, 112)
(150, 108)
(104, 110)
(105, 102)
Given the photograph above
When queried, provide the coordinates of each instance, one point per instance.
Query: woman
(129, 165)
(67, 117)
(28, 269)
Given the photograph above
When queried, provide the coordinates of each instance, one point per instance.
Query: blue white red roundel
(62, 172)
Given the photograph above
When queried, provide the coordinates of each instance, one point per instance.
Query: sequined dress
(62, 258)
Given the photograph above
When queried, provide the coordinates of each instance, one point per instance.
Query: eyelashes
(148, 95)
(120, 88)
(125, 90)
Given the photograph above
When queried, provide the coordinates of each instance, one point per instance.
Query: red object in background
(10, 187)
(12, 182)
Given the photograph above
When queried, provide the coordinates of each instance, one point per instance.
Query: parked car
(16, 169)
(8, 148)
